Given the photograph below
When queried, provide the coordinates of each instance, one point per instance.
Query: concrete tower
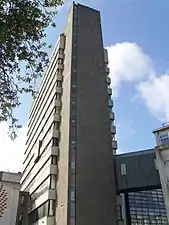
(68, 166)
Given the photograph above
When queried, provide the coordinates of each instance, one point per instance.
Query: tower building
(68, 166)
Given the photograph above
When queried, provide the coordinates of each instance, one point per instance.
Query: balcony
(114, 144)
(112, 116)
(56, 133)
(108, 80)
(109, 91)
(110, 103)
(113, 129)
(59, 90)
(60, 56)
(107, 70)
(60, 66)
(59, 77)
(57, 117)
(114, 151)
(57, 103)
(106, 56)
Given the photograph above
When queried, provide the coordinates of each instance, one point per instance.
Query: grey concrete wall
(95, 185)
(63, 160)
(140, 171)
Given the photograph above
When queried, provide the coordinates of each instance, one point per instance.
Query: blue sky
(136, 33)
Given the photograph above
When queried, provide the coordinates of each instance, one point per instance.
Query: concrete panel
(95, 185)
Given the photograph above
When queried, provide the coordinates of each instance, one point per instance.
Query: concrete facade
(68, 166)
(162, 161)
(9, 196)
(95, 183)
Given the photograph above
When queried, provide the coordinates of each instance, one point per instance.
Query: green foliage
(23, 55)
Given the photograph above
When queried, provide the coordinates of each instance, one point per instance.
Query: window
(52, 182)
(59, 72)
(147, 207)
(119, 212)
(164, 139)
(73, 113)
(73, 156)
(73, 180)
(72, 195)
(72, 221)
(54, 160)
(72, 165)
(72, 209)
(39, 213)
(57, 110)
(56, 125)
(55, 141)
(38, 156)
(51, 208)
(60, 61)
(61, 51)
(22, 200)
(58, 96)
(59, 83)
(123, 169)
(73, 122)
(41, 189)
(73, 146)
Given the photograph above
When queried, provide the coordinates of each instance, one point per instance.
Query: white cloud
(11, 151)
(155, 94)
(128, 62)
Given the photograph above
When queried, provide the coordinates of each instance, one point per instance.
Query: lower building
(9, 195)
(145, 207)
(140, 197)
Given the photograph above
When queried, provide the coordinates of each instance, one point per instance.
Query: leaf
(23, 56)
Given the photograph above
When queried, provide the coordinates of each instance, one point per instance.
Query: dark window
(39, 147)
(59, 83)
(55, 141)
(60, 61)
(58, 96)
(59, 71)
(56, 125)
(38, 213)
(54, 160)
(164, 139)
(147, 207)
(57, 110)
(61, 51)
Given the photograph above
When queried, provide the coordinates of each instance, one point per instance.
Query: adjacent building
(68, 166)
(139, 190)
(9, 195)
(162, 160)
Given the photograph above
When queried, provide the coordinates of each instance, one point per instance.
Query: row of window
(58, 84)
(59, 72)
(47, 209)
(51, 103)
(48, 183)
(145, 208)
(53, 142)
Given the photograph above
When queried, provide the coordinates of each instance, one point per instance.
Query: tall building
(68, 166)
